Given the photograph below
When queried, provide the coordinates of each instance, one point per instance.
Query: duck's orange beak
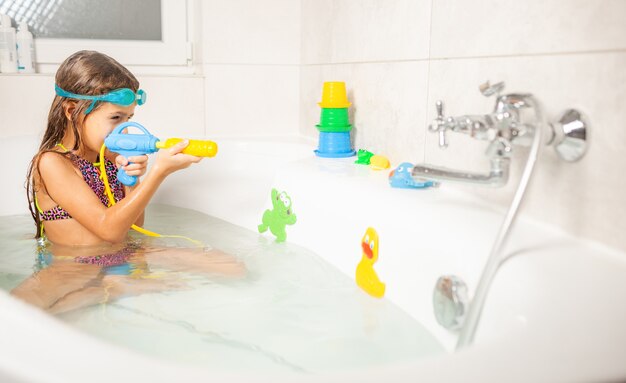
(367, 250)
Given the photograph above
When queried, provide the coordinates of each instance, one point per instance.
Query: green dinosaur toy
(279, 217)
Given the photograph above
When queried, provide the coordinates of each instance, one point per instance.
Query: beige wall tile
(250, 31)
(335, 31)
(511, 27)
(24, 103)
(251, 100)
(175, 106)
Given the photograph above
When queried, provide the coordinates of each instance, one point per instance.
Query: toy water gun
(139, 144)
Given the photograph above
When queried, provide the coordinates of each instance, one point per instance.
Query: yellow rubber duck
(366, 277)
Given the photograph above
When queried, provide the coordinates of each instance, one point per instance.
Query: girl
(94, 94)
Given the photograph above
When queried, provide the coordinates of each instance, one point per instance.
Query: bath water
(291, 312)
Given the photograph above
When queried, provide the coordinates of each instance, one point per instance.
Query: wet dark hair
(84, 72)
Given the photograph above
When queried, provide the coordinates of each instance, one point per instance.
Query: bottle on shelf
(8, 46)
(25, 49)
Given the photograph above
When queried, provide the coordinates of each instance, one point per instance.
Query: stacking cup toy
(334, 123)
(334, 95)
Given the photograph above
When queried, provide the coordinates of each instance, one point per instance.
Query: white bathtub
(555, 312)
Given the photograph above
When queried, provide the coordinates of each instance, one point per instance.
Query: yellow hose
(107, 188)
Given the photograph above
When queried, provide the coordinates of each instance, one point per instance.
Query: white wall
(398, 57)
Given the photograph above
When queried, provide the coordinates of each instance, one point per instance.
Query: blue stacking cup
(335, 145)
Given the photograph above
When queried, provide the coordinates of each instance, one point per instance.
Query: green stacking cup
(334, 120)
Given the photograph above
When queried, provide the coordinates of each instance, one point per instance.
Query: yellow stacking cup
(334, 95)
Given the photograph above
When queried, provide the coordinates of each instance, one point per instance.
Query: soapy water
(290, 312)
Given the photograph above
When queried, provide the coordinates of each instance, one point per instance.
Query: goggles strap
(91, 106)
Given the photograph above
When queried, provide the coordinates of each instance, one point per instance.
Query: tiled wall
(399, 57)
(250, 56)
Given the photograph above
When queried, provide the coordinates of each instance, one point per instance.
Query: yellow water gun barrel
(198, 148)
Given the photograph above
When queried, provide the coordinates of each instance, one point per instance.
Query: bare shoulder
(52, 162)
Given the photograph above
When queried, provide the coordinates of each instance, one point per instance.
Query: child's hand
(138, 166)
(172, 159)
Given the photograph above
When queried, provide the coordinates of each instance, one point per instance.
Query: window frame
(171, 50)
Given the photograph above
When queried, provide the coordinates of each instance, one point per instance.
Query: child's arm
(127, 190)
(67, 188)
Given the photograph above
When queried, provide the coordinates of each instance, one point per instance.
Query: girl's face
(99, 123)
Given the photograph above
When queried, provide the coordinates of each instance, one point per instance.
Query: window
(135, 32)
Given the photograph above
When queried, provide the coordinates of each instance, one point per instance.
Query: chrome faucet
(517, 119)
(509, 125)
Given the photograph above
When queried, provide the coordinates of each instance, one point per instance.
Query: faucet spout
(497, 176)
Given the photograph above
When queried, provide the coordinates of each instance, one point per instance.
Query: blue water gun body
(130, 145)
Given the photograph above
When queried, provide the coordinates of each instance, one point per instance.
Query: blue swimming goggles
(123, 96)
